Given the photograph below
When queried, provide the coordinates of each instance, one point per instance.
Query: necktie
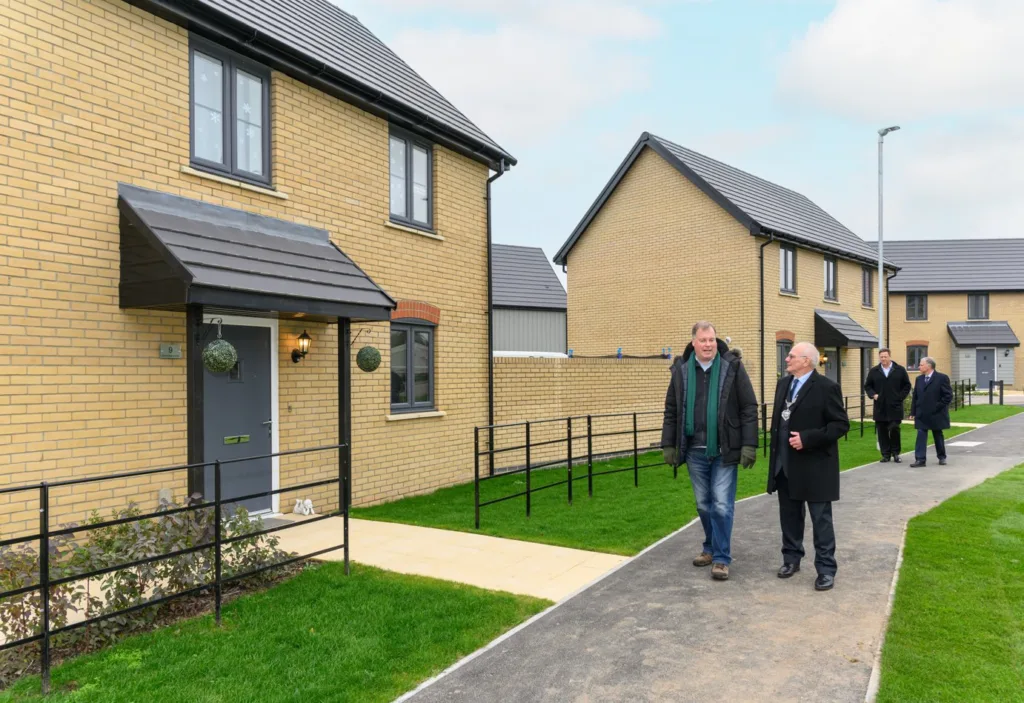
(792, 389)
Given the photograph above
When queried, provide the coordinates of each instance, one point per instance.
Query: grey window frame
(924, 307)
(922, 352)
(978, 296)
(832, 294)
(232, 62)
(411, 326)
(867, 282)
(782, 348)
(792, 270)
(412, 140)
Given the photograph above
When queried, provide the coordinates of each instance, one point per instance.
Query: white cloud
(910, 59)
(523, 69)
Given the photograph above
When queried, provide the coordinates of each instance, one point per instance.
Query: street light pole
(881, 270)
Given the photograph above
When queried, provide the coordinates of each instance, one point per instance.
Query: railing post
(217, 537)
(527, 469)
(346, 497)
(846, 407)
(991, 388)
(764, 427)
(490, 450)
(956, 391)
(636, 456)
(590, 458)
(970, 396)
(568, 441)
(1001, 392)
(44, 580)
(863, 411)
(476, 477)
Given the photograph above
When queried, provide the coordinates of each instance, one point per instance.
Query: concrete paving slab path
(658, 629)
(499, 564)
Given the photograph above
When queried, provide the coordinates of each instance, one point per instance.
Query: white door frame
(273, 326)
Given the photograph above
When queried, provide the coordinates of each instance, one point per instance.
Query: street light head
(886, 130)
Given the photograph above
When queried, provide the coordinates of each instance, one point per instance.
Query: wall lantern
(823, 360)
(1006, 352)
(300, 353)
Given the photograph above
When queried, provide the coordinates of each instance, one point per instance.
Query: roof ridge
(669, 142)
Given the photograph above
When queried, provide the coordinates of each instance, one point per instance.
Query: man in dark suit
(929, 408)
(808, 419)
(888, 385)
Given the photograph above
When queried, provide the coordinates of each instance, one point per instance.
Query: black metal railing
(991, 388)
(607, 437)
(46, 584)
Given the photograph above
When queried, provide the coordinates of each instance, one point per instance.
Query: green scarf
(691, 398)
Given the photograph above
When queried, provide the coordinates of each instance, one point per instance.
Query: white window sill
(829, 301)
(784, 294)
(413, 230)
(188, 170)
(415, 416)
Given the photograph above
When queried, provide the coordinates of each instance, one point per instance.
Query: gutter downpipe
(502, 167)
(771, 238)
(888, 318)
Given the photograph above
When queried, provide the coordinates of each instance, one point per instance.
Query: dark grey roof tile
(523, 278)
(987, 332)
(949, 265)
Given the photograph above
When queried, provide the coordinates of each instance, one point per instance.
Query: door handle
(269, 424)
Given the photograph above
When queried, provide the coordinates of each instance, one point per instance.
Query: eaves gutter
(236, 36)
(821, 248)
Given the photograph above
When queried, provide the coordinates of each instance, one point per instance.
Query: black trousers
(888, 438)
(791, 517)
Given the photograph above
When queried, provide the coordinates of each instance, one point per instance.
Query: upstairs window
(977, 306)
(230, 113)
(787, 268)
(831, 287)
(412, 181)
(917, 307)
(867, 287)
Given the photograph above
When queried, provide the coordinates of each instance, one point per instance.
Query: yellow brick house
(960, 301)
(676, 236)
(174, 171)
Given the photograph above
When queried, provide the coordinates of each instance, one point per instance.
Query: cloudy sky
(790, 90)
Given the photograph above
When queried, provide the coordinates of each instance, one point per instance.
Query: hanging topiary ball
(368, 358)
(219, 356)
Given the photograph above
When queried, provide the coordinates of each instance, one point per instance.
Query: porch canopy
(838, 329)
(982, 334)
(178, 252)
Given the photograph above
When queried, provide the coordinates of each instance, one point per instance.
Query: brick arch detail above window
(416, 309)
(785, 335)
(917, 342)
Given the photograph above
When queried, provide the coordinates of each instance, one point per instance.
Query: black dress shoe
(824, 582)
(916, 464)
(942, 462)
(896, 458)
(788, 570)
(885, 460)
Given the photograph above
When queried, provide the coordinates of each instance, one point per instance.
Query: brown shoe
(704, 559)
(720, 572)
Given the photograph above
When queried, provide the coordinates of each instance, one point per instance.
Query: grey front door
(237, 418)
(986, 367)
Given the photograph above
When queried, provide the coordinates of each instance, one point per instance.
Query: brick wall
(542, 389)
(94, 92)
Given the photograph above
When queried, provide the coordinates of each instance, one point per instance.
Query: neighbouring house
(960, 301)
(175, 171)
(529, 302)
(676, 236)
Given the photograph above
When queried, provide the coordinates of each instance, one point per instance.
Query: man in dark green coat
(710, 425)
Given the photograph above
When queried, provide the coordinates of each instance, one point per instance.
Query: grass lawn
(984, 413)
(321, 636)
(619, 518)
(957, 627)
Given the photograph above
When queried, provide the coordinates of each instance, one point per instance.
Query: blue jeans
(714, 490)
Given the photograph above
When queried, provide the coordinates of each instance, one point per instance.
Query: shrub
(108, 547)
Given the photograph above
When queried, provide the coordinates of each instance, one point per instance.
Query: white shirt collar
(800, 379)
(703, 365)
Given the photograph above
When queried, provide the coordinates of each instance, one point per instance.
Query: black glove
(671, 455)
(748, 455)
